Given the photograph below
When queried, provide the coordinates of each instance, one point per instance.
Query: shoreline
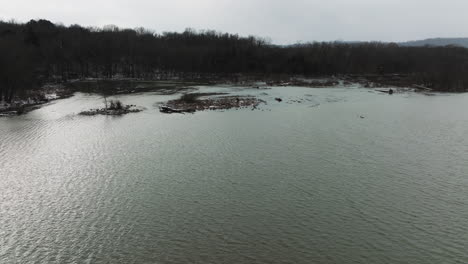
(24, 106)
(118, 86)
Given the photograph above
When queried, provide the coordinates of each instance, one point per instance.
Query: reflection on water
(302, 181)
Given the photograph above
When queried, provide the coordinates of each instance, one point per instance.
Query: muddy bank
(313, 83)
(54, 91)
(192, 102)
(109, 87)
(130, 86)
(403, 81)
(34, 100)
(264, 81)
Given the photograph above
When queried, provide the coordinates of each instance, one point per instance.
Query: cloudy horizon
(296, 21)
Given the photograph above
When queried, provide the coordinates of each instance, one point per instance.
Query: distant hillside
(462, 42)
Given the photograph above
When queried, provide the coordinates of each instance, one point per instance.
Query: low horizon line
(198, 30)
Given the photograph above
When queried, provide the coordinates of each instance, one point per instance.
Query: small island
(192, 102)
(115, 108)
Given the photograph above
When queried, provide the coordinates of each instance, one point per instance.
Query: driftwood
(422, 87)
(170, 110)
(386, 91)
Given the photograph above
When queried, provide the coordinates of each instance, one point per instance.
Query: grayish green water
(306, 182)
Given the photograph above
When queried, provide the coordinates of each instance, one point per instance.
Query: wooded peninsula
(39, 52)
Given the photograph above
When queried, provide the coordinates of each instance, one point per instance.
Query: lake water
(293, 182)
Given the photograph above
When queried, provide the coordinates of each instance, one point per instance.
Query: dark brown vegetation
(41, 52)
(193, 102)
(113, 107)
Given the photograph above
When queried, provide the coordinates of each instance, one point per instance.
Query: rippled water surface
(295, 182)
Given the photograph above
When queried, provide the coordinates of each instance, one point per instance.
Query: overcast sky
(283, 22)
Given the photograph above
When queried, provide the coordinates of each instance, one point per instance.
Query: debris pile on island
(114, 108)
(192, 102)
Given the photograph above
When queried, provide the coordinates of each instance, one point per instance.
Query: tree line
(39, 51)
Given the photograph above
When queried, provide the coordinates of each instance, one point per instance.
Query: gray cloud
(282, 21)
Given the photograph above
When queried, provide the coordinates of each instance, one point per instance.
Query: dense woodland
(37, 52)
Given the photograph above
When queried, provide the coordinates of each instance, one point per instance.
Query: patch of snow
(52, 96)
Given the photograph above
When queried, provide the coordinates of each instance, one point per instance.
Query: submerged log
(386, 91)
(170, 110)
(420, 87)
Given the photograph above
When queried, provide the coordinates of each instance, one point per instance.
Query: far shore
(118, 86)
